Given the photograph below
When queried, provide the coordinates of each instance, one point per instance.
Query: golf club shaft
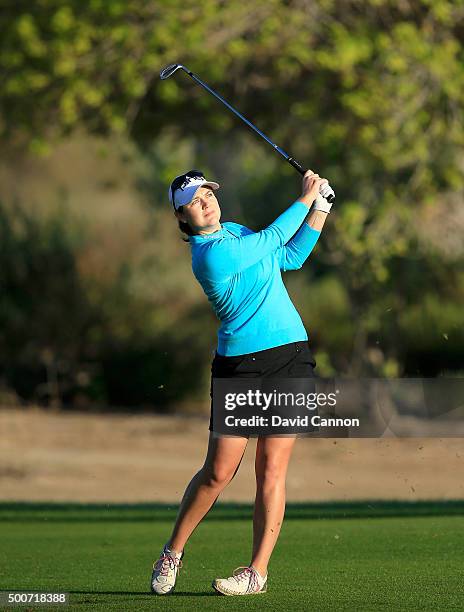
(171, 69)
(294, 163)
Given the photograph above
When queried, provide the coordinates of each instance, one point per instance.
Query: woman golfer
(261, 335)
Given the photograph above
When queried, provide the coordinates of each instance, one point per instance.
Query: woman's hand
(311, 185)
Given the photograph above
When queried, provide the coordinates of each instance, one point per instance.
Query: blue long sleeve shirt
(240, 272)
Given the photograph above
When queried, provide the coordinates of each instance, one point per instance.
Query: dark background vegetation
(98, 305)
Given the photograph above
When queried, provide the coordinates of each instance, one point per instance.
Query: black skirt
(294, 360)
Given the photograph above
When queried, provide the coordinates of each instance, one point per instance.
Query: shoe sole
(221, 592)
(153, 592)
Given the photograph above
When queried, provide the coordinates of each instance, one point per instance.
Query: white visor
(185, 194)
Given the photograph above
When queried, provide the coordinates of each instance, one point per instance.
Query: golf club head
(169, 70)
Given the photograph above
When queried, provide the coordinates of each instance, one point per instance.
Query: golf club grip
(296, 165)
(330, 198)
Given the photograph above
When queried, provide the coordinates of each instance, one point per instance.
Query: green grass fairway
(360, 556)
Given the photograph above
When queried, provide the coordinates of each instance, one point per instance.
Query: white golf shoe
(165, 570)
(244, 581)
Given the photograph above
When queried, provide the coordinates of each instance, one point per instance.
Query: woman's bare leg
(272, 457)
(221, 464)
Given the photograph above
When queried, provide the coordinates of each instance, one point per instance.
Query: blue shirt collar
(205, 237)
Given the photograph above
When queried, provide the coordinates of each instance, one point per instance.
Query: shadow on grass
(75, 512)
(146, 594)
(120, 593)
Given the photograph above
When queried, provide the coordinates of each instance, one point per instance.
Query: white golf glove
(321, 203)
(326, 190)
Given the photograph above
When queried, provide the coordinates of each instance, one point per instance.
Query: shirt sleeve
(223, 258)
(292, 255)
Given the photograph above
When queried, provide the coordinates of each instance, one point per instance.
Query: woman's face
(202, 213)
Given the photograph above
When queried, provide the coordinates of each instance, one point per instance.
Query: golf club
(327, 192)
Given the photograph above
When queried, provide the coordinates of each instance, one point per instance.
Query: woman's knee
(272, 459)
(270, 473)
(218, 476)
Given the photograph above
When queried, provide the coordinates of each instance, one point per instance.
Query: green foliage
(371, 98)
(71, 335)
(43, 311)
